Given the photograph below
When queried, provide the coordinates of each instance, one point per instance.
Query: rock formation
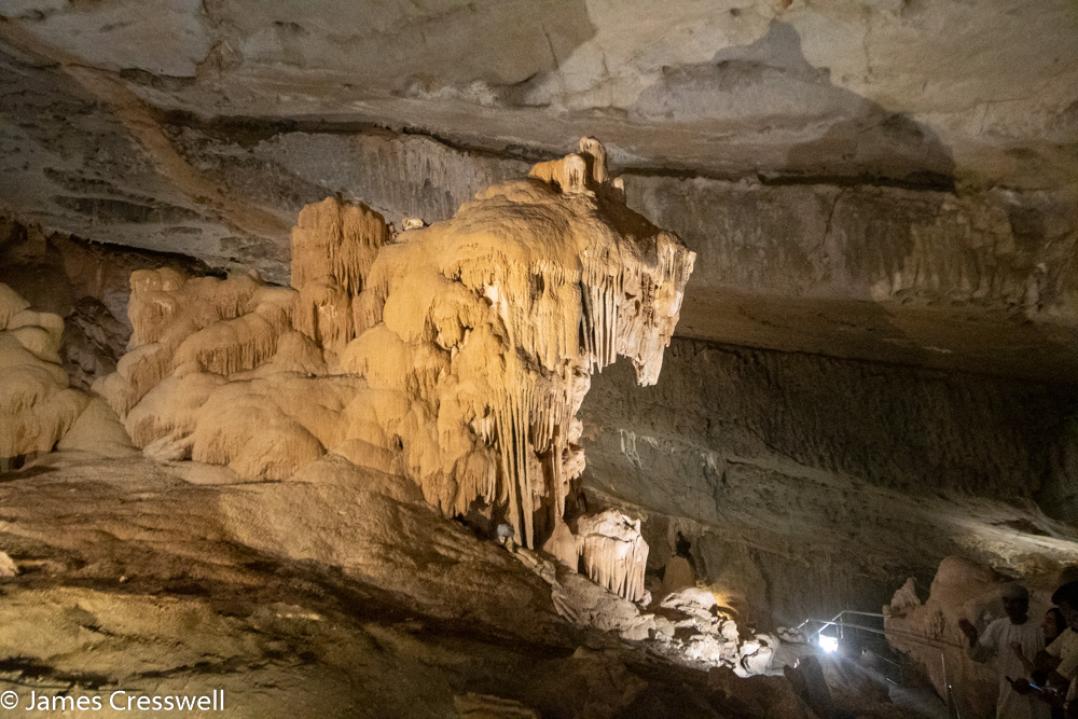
(37, 406)
(457, 354)
(876, 351)
(613, 552)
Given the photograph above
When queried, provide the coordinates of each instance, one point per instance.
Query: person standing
(996, 644)
(1052, 626)
(1062, 654)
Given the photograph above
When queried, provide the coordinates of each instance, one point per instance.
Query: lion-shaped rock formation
(456, 354)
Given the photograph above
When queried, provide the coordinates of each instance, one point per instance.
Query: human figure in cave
(1059, 661)
(1037, 668)
(996, 645)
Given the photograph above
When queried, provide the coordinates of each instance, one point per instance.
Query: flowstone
(456, 354)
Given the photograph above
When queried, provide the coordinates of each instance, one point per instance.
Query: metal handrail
(937, 644)
(838, 617)
(920, 638)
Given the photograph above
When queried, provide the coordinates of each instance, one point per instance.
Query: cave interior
(534, 358)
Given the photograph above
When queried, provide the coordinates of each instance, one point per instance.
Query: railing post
(952, 707)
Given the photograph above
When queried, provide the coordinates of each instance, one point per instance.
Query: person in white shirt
(997, 643)
(1062, 654)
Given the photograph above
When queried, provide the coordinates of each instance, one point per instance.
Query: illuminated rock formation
(458, 354)
(505, 311)
(333, 247)
(615, 555)
(36, 404)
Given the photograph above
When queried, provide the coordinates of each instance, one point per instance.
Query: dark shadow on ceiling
(768, 94)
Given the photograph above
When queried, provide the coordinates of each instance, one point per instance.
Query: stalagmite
(614, 554)
(457, 354)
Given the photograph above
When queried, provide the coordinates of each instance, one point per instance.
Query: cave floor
(161, 579)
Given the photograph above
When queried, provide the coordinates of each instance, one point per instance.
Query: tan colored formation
(615, 555)
(456, 354)
(37, 407)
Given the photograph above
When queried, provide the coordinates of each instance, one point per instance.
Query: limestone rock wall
(996, 250)
(808, 484)
(822, 236)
